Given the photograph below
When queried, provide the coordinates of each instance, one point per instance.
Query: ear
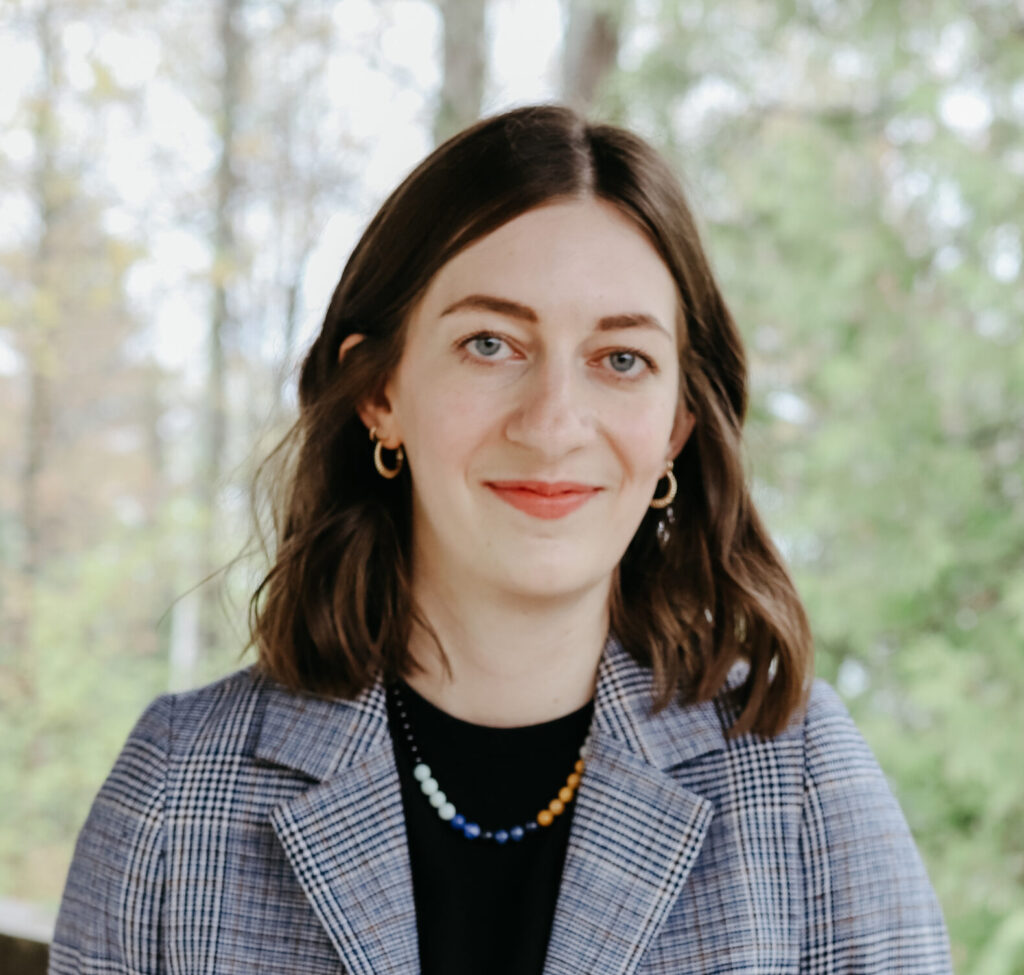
(375, 415)
(350, 342)
(681, 430)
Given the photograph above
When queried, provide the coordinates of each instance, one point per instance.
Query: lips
(544, 499)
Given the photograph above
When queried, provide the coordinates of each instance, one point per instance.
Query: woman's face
(537, 402)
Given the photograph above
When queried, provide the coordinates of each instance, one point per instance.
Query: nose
(552, 415)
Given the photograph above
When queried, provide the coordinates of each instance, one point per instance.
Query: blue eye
(622, 361)
(487, 345)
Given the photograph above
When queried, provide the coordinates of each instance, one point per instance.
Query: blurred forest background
(180, 184)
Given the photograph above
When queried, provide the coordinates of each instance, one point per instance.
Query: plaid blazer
(247, 829)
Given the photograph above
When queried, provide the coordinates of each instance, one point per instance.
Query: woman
(533, 689)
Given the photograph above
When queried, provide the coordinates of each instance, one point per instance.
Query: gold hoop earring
(666, 499)
(378, 458)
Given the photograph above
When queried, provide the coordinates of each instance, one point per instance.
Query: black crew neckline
(540, 729)
(483, 905)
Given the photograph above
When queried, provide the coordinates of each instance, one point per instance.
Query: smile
(544, 499)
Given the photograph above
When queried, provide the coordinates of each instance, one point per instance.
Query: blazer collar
(637, 827)
(320, 736)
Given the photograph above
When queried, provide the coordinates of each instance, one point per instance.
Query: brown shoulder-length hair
(700, 585)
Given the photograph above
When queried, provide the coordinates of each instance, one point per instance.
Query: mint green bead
(421, 773)
(429, 786)
(438, 799)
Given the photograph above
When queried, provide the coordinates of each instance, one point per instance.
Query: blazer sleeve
(109, 919)
(869, 907)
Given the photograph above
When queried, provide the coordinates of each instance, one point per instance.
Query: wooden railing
(25, 932)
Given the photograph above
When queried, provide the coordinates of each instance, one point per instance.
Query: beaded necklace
(446, 810)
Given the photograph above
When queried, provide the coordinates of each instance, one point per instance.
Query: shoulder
(202, 718)
(833, 745)
(171, 727)
(841, 773)
(220, 716)
(821, 736)
(844, 784)
(110, 911)
(867, 895)
(842, 777)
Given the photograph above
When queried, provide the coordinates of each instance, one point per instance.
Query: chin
(549, 581)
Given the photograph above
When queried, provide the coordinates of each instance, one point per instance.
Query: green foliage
(868, 240)
(68, 708)
(855, 234)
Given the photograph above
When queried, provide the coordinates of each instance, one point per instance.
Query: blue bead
(457, 821)
(501, 836)
(471, 831)
(516, 832)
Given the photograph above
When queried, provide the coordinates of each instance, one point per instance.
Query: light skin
(572, 376)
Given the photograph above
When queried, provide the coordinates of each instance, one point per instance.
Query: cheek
(442, 427)
(641, 436)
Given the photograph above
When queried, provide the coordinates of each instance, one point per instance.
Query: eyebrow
(523, 313)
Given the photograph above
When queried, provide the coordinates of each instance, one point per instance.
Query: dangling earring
(378, 458)
(666, 499)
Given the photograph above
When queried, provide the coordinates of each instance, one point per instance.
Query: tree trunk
(591, 49)
(40, 358)
(464, 68)
(233, 53)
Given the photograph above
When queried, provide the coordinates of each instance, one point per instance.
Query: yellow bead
(545, 818)
(556, 806)
(565, 794)
(579, 765)
(573, 781)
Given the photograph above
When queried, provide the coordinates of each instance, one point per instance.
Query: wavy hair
(701, 584)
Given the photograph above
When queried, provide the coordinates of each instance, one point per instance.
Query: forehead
(581, 257)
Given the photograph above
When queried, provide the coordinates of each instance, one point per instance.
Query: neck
(514, 660)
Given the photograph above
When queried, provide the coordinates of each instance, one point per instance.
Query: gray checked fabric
(245, 829)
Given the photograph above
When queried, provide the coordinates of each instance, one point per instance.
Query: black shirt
(481, 906)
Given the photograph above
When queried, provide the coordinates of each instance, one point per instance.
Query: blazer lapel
(636, 830)
(345, 837)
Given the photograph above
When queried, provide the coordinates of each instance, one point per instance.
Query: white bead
(438, 799)
(447, 811)
(421, 772)
(429, 786)
(584, 751)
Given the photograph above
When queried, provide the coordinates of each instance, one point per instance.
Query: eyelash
(463, 346)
